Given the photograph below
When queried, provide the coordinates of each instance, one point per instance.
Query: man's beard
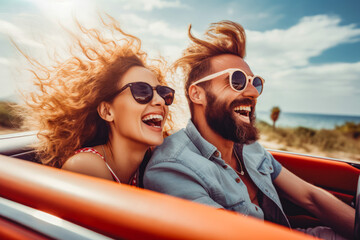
(221, 119)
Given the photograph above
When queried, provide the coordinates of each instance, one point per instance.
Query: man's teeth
(153, 117)
(242, 108)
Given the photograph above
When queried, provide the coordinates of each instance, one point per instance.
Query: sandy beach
(310, 150)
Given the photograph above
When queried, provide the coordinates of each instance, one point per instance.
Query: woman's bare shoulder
(88, 163)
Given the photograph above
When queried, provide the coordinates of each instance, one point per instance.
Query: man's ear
(197, 94)
(105, 111)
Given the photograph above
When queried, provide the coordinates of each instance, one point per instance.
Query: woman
(99, 111)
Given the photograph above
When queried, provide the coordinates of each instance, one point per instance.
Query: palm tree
(275, 112)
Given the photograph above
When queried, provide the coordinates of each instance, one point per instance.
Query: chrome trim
(45, 223)
(22, 153)
(15, 143)
(325, 158)
(18, 134)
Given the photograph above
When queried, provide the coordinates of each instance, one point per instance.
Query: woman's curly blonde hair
(63, 109)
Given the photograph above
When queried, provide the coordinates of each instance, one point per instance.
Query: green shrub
(304, 132)
(327, 140)
(350, 128)
(343, 138)
(262, 125)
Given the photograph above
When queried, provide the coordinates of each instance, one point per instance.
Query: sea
(309, 120)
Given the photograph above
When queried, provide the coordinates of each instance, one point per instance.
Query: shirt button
(225, 166)
(257, 209)
(270, 168)
(216, 154)
(266, 190)
(237, 180)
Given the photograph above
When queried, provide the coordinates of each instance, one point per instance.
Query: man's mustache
(243, 101)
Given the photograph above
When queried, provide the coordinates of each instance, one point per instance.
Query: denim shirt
(188, 166)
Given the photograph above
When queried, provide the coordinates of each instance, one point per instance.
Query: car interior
(22, 180)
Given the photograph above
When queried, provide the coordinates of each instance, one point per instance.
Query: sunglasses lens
(258, 84)
(238, 80)
(142, 92)
(166, 93)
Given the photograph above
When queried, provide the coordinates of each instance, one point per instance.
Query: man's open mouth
(153, 120)
(244, 111)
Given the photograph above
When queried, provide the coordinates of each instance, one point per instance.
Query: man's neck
(223, 145)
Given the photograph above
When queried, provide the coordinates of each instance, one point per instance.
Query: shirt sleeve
(276, 166)
(178, 180)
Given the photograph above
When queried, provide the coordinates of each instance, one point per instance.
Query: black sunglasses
(143, 92)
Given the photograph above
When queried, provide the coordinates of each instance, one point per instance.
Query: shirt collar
(206, 148)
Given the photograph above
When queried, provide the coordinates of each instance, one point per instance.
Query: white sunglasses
(238, 79)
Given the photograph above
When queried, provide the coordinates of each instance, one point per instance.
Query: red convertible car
(41, 202)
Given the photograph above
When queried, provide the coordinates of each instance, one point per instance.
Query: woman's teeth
(153, 120)
(153, 116)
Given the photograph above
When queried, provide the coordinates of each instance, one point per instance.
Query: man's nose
(251, 91)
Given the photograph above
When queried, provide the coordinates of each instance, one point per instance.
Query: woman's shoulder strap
(89, 150)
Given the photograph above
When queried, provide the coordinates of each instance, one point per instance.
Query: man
(216, 159)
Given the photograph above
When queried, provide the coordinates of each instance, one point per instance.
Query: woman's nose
(157, 99)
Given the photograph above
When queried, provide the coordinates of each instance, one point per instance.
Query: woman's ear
(105, 111)
(197, 95)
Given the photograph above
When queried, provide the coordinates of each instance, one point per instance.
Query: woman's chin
(153, 135)
(155, 141)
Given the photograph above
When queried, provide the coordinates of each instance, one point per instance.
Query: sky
(308, 51)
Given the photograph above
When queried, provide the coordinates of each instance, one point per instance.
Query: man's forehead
(225, 61)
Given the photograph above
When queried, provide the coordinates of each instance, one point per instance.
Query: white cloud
(283, 58)
(132, 19)
(153, 28)
(334, 79)
(149, 5)
(63, 11)
(326, 88)
(157, 36)
(162, 29)
(293, 47)
(5, 61)
(10, 30)
(173, 52)
(6, 82)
